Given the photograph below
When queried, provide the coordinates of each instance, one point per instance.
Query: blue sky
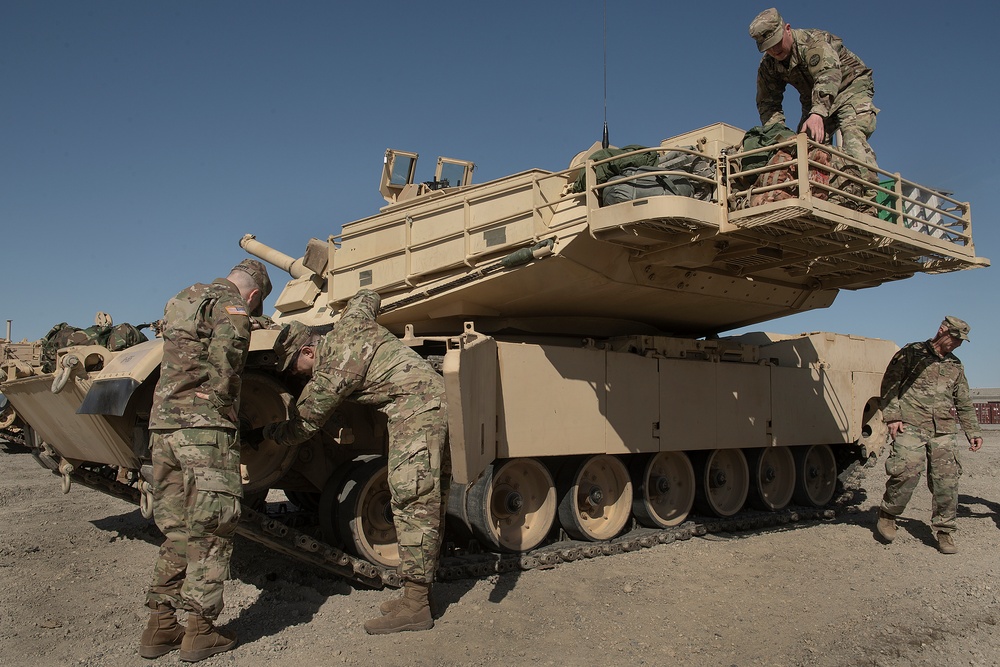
(140, 140)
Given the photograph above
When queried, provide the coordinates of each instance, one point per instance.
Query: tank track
(566, 551)
(272, 533)
(279, 536)
(13, 435)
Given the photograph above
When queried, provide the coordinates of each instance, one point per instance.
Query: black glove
(252, 438)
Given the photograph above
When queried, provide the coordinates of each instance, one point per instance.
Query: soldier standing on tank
(364, 362)
(923, 390)
(196, 458)
(835, 87)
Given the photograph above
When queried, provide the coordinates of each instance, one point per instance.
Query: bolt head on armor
(956, 327)
(766, 29)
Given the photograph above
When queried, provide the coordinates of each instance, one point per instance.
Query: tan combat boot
(203, 640)
(886, 525)
(163, 633)
(410, 612)
(392, 605)
(946, 543)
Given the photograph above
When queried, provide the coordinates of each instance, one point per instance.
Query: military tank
(576, 316)
(16, 360)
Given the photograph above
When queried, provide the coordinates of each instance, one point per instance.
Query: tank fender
(470, 377)
(115, 384)
(129, 369)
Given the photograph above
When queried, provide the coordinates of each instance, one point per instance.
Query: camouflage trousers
(419, 475)
(196, 504)
(855, 117)
(910, 452)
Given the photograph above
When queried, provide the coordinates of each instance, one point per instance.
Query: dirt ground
(73, 570)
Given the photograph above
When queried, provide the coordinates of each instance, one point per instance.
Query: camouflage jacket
(819, 67)
(206, 334)
(361, 360)
(925, 390)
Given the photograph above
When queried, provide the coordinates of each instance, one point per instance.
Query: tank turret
(694, 244)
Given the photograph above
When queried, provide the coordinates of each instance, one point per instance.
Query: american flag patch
(236, 310)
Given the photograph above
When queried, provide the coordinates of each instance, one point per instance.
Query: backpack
(114, 337)
(760, 136)
(645, 185)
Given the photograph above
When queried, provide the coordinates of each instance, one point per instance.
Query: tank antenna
(604, 141)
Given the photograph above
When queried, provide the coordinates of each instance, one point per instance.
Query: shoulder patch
(236, 310)
(814, 60)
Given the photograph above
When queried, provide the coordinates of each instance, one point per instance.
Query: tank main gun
(296, 268)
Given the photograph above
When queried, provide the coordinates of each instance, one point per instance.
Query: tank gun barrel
(294, 267)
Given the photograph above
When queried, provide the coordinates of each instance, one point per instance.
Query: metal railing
(892, 199)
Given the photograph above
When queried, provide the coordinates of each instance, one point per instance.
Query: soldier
(922, 390)
(196, 458)
(363, 361)
(835, 88)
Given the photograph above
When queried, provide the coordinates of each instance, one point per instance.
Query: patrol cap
(956, 327)
(258, 272)
(288, 343)
(766, 29)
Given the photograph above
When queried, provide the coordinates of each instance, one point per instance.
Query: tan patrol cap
(258, 272)
(956, 327)
(766, 29)
(288, 343)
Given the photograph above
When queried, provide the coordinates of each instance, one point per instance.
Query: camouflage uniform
(366, 363)
(196, 459)
(832, 82)
(925, 391)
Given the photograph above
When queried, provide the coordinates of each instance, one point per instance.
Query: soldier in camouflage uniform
(923, 390)
(364, 362)
(196, 458)
(835, 88)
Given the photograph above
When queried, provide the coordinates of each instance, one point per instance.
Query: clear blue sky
(140, 140)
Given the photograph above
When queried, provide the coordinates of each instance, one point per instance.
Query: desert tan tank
(575, 318)
(16, 360)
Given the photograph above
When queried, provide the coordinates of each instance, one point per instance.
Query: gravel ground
(73, 570)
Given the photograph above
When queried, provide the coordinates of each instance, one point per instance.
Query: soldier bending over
(364, 362)
(835, 87)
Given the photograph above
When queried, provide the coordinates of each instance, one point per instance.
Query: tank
(16, 360)
(576, 318)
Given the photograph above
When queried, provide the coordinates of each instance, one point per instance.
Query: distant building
(987, 404)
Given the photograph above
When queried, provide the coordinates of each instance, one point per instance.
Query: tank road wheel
(664, 489)
(815, 475)
(772, 470)
(513, 505)
(723, 481)
(456, 523)
(364, 514)
(595, 498)
(7, 413)
(263, 400)
(329, 497)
